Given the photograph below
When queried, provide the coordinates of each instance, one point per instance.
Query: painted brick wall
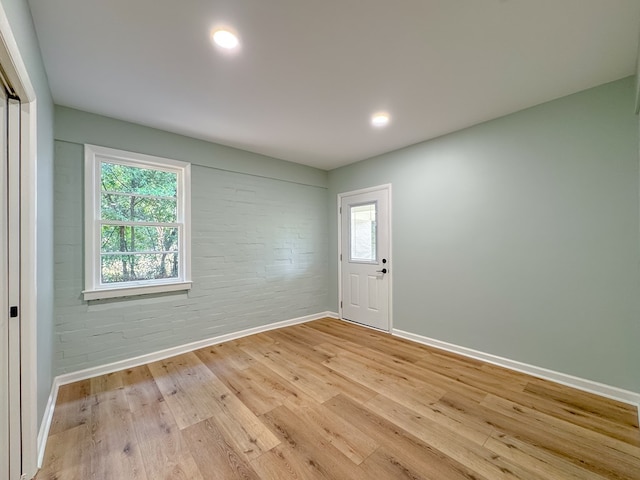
(259, 255)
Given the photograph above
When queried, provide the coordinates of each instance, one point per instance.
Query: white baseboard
(148, 358)
(590, 386)
(615, 393)
(43, 433)
(180, 349)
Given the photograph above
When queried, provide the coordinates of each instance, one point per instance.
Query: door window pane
(363, 232)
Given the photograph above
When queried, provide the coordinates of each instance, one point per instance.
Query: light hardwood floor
(331, 400)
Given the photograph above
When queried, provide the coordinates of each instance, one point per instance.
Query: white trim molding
(637, 102)
(615, 393)
(45, 426)
(104, 293)
(180, 349)
(87, 373)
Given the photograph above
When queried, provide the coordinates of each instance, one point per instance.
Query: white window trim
(94, 289)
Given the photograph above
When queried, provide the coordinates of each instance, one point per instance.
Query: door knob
(384, 270)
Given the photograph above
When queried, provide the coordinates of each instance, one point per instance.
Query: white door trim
(13, 287)
(16, 72)
(387, 187)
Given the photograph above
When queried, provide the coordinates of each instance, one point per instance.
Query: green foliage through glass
(133, 208)
(144, 266)
(143, 181)
(133, 252)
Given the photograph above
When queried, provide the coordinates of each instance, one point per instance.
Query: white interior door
(365, 263)
(10, 378)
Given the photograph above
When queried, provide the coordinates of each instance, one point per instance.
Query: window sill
(131, 291)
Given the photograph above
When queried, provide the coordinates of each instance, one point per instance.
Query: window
(136, 224)
(363, 233)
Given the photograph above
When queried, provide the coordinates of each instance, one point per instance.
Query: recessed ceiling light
(225, 39)
(380, 119)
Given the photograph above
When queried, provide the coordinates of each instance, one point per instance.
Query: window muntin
(137, 223)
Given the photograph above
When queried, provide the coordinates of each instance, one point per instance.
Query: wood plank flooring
(332, 400)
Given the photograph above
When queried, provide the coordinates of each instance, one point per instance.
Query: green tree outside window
(139, 230)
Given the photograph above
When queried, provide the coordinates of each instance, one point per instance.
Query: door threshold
(365, 325)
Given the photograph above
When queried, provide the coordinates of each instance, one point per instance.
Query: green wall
(259, 247)
(519, 237)
(19, 17)
(80, 127)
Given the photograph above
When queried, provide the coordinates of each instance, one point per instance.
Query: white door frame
(386, 186)
(16, 72)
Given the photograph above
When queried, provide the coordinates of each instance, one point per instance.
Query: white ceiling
(310, 73)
